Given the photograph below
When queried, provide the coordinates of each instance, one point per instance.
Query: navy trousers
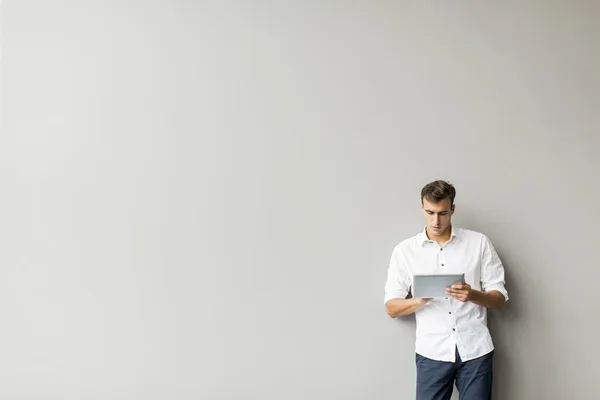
(435, 379)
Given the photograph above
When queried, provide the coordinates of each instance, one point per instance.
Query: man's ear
(453, 206)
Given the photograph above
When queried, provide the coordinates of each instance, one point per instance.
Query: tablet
(434, 285)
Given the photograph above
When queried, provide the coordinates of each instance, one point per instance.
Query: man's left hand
(460, 291)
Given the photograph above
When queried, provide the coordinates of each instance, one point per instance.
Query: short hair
(437, 191)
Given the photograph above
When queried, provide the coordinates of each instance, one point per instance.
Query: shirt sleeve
(398, 282)
(492, 270)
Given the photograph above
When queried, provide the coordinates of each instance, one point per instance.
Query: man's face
(437, 216)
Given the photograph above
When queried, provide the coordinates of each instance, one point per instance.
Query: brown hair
(437, 191)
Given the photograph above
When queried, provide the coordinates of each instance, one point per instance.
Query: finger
(459, 296)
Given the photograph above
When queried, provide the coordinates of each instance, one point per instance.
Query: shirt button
(449, 312)
(453, 329)
(442, 265)
(442, 249)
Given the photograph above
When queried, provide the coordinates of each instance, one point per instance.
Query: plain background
(199, 200)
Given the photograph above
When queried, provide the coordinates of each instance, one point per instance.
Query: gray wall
(199, 200)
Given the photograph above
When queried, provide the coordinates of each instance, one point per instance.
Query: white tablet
(434, 285)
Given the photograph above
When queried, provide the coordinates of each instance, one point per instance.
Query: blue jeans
(473, 378)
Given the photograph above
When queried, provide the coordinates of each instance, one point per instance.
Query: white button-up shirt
(445, 324)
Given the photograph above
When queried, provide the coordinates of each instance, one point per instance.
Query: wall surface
(199, 200)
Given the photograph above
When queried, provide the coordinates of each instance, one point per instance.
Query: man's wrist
(475, 296)
(418, 303)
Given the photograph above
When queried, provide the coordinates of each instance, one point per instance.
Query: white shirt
(444, 324)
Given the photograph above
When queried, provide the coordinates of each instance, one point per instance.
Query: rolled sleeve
(398, 283)
(492, 270)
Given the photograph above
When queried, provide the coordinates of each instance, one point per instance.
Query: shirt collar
(424, 239)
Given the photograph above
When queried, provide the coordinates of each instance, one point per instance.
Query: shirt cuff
(499, 287)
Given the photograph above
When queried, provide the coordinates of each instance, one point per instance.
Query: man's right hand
(400, 307)
(422, 301)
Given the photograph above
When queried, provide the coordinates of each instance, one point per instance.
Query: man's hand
(422, 301)
(400, 307)
(460, 291)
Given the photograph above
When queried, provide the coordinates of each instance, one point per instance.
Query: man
(453, 343)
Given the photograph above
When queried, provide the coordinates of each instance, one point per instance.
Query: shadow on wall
(499, 323)
(507, 340)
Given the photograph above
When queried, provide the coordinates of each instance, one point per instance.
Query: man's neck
(440, 239)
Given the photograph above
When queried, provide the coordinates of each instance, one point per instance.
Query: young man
(453, 343)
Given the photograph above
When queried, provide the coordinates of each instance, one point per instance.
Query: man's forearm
(492, 299)
(400, 307)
